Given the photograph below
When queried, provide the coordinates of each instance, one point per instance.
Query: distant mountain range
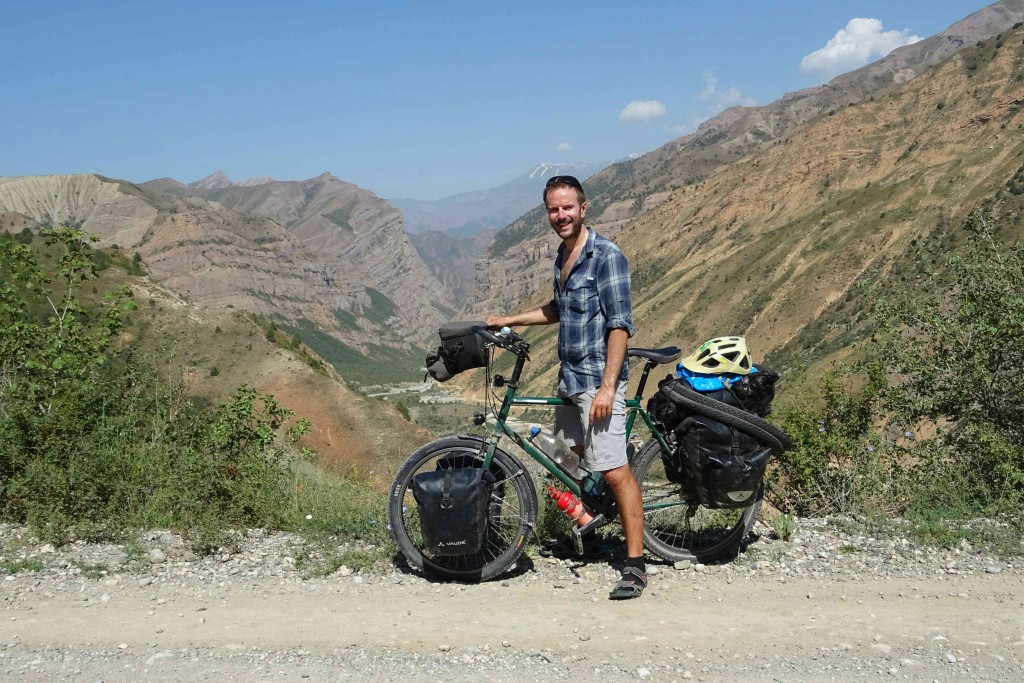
(469, 213)
(761, 222)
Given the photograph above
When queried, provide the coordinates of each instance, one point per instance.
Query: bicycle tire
(512, 511)
(748, 423)
(682, 530)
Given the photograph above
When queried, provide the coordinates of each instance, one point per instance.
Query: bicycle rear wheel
(677, 529)
(512, 511)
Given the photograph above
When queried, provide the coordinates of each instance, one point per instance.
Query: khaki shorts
(604, 442)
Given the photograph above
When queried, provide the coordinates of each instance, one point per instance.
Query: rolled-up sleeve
(614, 292)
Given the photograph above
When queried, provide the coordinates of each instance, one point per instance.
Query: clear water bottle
(558, 451)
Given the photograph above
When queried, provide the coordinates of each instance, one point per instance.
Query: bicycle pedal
(578, 531)
(577, 542)
(596, 523)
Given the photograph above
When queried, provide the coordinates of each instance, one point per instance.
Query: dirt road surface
(550, 621)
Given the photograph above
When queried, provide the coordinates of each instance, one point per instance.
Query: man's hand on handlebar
(496, 322)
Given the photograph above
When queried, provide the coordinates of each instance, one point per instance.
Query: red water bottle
(570, 505)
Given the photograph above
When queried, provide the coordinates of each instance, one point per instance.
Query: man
(592, 307)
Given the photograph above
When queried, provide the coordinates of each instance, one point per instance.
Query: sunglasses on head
(564, 180)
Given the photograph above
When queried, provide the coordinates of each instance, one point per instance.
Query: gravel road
(828, 605)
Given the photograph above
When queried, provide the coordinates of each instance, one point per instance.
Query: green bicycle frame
(633, 408)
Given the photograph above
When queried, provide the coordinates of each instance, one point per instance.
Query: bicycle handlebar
(506, 338)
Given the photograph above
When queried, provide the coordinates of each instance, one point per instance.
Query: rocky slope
(452, 259)
(769, 243)
(358, 241)
(321, 257)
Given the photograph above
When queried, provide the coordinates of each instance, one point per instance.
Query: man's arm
(545, 315)
(601, 407)
(613, 284)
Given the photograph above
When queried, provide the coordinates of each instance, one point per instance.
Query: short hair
(559, 182)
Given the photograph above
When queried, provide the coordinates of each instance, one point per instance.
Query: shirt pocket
(580, 294)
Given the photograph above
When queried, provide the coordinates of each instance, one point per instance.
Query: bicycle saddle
(665, 355)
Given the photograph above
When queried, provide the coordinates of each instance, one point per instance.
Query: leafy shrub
(932, 426)
(93, 441)
(836, 465)
(958, 361)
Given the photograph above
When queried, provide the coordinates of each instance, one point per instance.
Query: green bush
(94, 442)
(932, 425)
(836, 465)
(957, 365)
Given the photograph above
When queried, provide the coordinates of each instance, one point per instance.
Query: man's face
(565, 213)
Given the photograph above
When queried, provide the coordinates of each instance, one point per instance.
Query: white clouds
(722, 99)
(642, 111)
(861, 42)
(564, 147)
(712, 100)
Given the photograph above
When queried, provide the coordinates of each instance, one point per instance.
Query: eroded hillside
(217, 350)
(359, 244)
(342, 274)
(774, 244)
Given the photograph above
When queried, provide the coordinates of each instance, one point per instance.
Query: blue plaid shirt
(595, 300)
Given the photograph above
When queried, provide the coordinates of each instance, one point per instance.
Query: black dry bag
(453, 506)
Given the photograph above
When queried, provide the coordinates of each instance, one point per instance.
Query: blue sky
(407, 99)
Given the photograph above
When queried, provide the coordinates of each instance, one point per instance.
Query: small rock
(951, 658)
(682, 564)
(157, 556)
(641, 672)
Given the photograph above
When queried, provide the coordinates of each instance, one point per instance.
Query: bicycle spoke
(678, 528)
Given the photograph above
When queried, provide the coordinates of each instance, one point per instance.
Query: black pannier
(453, 507)
(461, 349)
(719, 466)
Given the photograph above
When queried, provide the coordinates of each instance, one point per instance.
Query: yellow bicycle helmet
(719, 355)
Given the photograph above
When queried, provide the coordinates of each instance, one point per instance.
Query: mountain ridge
(773, 243)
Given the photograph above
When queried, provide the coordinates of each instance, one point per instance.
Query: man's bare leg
(631, 511)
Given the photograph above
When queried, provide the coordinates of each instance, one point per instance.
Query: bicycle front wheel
(512, 511)
(679, 529)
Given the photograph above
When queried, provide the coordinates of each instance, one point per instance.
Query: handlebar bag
(461, 349)
(453, 506)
